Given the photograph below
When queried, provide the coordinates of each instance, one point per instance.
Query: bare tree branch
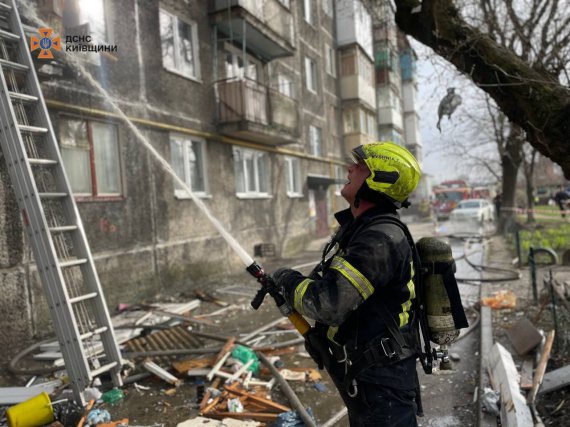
(529, 97)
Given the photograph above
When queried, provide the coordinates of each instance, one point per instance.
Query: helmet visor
(358, 155)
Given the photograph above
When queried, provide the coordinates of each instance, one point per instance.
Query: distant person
(561, 198)
(497, 200)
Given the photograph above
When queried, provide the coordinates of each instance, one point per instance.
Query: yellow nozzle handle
(299, 322)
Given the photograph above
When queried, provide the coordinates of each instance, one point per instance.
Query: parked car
(479, 210)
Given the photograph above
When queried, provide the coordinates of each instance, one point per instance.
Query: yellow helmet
(394, 171)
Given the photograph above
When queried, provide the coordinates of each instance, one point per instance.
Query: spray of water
(30, 12)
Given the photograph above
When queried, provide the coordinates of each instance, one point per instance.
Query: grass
(549, 231)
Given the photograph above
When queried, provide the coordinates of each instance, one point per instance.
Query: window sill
(186, 76)
(253, 196)
(81, 199)
(295, 195)
(184, 196)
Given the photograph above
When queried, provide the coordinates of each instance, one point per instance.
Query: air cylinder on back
(434, 254)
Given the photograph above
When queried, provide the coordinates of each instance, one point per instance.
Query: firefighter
(361, 295)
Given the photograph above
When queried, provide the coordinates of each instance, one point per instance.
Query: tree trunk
(507, 217)
(529, 200)
(529, 97)
(511, 158)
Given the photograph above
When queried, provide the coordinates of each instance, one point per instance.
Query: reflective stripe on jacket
(373, 261)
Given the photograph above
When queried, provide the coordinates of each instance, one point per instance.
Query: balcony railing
(250, 109)
(264, 25)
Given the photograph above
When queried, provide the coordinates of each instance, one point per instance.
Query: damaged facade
(253, 103)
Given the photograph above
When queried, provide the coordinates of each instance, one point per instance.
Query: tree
(518, 66)
(529, 161)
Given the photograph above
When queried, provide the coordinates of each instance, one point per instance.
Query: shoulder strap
(420, 318)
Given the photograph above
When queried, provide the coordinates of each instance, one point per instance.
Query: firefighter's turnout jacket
(369, 270)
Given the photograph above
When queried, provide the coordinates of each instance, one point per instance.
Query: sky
(434, 76)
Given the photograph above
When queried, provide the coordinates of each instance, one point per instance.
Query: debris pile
(165, 346)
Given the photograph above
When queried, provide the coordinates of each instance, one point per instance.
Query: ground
(448, 396)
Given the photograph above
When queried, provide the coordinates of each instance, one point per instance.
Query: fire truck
(447, 195)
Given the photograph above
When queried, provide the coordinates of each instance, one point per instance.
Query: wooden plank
(541, 368)
(514, 410)
(161, 373)
(526, 373)
(208, 394)
(555, 380)
(269, 404)
(185, 365)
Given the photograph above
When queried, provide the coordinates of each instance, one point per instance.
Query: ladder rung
(103, 368)
(45, 162)
(72, 263)
(5, 7)
(52, 195)
(13, 65)
(63, 228)
(93, 332)
(83, 297)
(17, 96)
(32, 129)
(9, 36)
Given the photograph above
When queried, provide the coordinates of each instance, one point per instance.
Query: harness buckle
(389, 354)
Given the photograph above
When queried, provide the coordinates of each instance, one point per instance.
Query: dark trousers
(376, 405)
(562, 208)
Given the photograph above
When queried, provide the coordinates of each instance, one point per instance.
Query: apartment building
(244, 101)
(397, 89)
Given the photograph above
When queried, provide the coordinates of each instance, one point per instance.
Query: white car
(479, 210)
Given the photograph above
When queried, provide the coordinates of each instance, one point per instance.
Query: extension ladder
(50, 216)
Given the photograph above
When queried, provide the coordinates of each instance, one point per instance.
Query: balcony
(252, 111)
(354, 87)
(266, 25)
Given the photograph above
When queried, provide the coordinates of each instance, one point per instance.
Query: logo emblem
(46, 43)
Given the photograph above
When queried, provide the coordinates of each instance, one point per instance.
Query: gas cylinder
(435, 256)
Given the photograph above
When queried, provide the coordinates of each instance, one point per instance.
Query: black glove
(315, 344)
(284, 279)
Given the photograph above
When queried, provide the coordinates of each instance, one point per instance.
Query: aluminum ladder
(50, 216)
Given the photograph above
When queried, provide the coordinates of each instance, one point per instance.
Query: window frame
(330, 60)
(176, 42)
(293, 170)
(95, 194)
(315, 149)
(311, 74)
(236, 54)
(187, 142)
(307, 12)
(257, 156)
